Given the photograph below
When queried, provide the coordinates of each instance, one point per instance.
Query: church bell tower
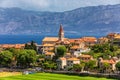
(61, 33)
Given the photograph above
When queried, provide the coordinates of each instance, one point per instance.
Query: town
(91, 54)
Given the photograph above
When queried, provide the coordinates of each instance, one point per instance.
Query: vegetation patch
(50, 76)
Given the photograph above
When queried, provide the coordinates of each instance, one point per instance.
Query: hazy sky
(54, 5)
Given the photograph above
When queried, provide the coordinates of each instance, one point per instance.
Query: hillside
(88, 20)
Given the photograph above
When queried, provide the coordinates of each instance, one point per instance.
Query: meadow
(49, 76)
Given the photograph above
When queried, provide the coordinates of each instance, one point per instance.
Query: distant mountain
(87, 20)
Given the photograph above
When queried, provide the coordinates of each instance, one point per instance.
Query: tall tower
(61, 33)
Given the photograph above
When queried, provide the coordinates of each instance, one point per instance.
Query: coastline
(22, 39)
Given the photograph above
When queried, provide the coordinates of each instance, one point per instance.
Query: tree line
(21, 58)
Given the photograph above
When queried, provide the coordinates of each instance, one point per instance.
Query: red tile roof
(111, 61)
(85, 56)
(49, 53)
(89, 39)
(62, 58)
(54, 39)
(17, 46)
(73, 59)
(75, 47)
(76, 40)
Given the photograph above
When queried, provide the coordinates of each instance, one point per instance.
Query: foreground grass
(49, 76)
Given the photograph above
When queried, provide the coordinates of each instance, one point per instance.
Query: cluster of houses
(16, 46)
(49, 44)
(76, 47)
(67, 62)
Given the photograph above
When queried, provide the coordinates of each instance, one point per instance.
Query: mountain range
(94, 20)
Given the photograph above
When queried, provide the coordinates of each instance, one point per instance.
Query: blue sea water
(15, 39)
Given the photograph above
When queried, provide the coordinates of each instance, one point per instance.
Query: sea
(21, 39)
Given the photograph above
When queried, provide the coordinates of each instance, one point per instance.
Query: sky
(54, 5)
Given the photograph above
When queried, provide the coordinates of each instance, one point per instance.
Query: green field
(49, 76)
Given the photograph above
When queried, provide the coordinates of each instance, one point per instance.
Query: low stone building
(61, 63)
(72, 61)
(89, 41)
(65, 63)
(49, 55)
(110, 61)
(16, 46)
(85, 58)
(103, 40)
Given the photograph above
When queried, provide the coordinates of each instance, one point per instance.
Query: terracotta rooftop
(111, 61)
(76, 40)
(89, 39)
(103, 38)
(66, 41)
(85, 56)
(48, 45)
(75, 47)
(17, 46)
(62, 58)
(50, 49)
(73, 59)
(50, 39)
(117, 37)
(49, 53)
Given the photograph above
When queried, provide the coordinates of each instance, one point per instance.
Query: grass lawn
(49, 76)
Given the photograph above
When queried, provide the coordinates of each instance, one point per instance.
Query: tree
(118, 66)
(105, 66)
(32, 45)
(77, 67)
(61, 50)
(6, 58)
(31, 57)
(113, 48)
(90, 65)
(14, 51)
(106, 51)
(49, 65)
(26, 58)
(104, 47)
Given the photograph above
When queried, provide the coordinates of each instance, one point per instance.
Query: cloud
(54, 5)
(25, 4)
